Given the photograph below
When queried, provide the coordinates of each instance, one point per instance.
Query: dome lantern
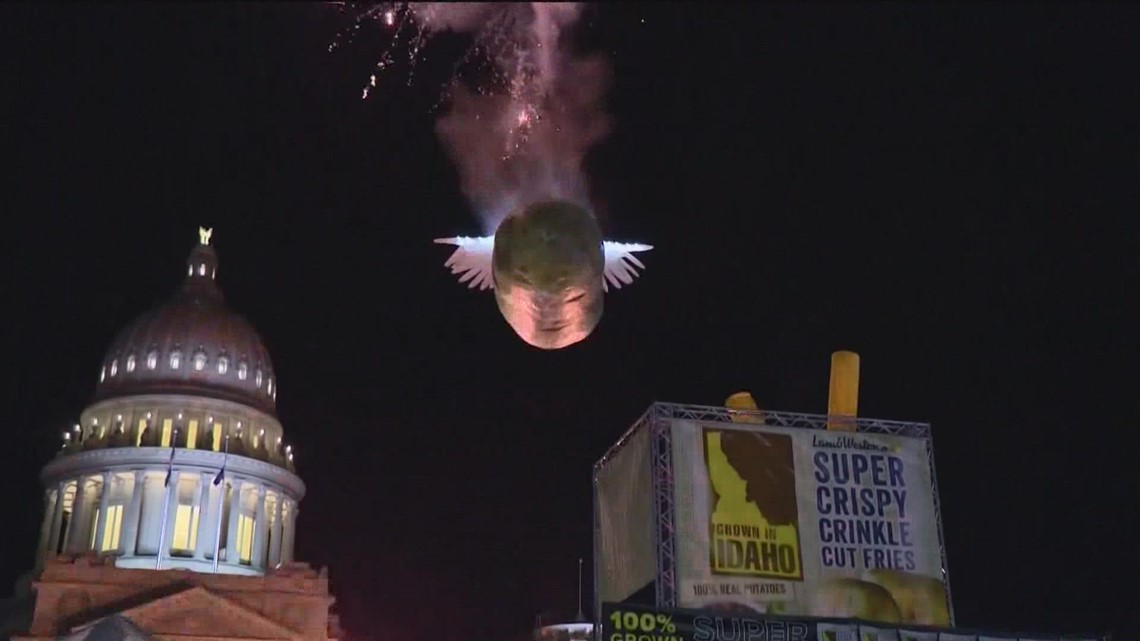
(190, 344)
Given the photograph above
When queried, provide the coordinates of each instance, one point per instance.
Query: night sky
(949, 190)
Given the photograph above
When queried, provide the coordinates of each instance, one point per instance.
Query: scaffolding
(659, 419)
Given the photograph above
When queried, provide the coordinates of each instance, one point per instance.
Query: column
(56, 531)
(287, 539)
(131, 518)
(45, 526)
(260, 530)
(104, 500)
(275, 533)
(78, 530)
(204, 539)
(171, 508)
(231, 534)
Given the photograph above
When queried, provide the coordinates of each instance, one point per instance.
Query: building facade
(172, 505)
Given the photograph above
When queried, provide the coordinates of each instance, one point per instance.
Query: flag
(170, 464)
(222, 472)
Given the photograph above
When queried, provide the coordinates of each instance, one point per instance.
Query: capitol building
(171, 508)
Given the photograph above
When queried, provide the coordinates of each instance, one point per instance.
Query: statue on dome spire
(204, 235)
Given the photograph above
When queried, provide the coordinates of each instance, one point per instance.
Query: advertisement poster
(805, 522)
(624, 622)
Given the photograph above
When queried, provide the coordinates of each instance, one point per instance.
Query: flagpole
(581, 615)
(221, 503)
(166, 503)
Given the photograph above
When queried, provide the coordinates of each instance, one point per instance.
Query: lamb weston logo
(847, 443)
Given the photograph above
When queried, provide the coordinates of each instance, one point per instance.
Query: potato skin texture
(548, 265)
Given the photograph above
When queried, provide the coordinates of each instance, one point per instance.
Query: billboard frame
(659, 420)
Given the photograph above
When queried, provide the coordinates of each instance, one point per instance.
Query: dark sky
(949, 190)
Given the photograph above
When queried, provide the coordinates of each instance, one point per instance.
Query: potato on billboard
(806, 522)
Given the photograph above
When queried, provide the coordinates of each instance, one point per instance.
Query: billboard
(806, 522)
(626, 558)
(627, 622)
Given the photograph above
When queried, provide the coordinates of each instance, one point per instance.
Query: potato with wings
(549, 268)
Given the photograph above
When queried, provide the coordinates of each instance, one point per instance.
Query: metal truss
(785, 419)
(938, 521)
(641, 421)
(659, 419)
(665, 533)
(597, 562)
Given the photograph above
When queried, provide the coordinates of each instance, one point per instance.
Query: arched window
(102, 373)
(189, 270)
(243, 370)
(131, 363)
(223, 364)
(199, 360)
(269, 386)
(175, 359)
(114, 367)
(257, 379)
(152, 359)
(202, 269)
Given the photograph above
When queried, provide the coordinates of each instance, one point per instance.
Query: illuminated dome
(179, 461)
(194, 345)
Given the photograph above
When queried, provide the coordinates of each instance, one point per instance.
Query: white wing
(621, 264)
(472, 260)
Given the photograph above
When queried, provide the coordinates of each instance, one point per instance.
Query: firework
(515, 44)
(518, 133)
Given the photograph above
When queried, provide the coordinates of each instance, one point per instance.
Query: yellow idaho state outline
(734, 508)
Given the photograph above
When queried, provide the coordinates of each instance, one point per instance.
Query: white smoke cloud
(462, 17)
(527, 142)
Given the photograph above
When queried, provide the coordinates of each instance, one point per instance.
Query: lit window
(257, 379)
(185, 528)
(243, 370)
(94, 530)
(167, 431)
(199, 360)
(217, 437)
(114, 367)
(192, 434)
(189, 270)
(131, 363)
(275, 395)
(269, 386)
(102, 373)
(213, 273)
(202, 269)
(112, 528)
(223, 364)
(175, 359)
(152, 359)
(245, 538)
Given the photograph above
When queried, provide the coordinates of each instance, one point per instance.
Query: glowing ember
(515, 43)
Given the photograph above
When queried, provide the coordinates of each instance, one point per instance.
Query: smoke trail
(522, 134)
(527, 144)
(502, 166)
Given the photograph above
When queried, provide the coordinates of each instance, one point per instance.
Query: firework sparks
(521, 112)
(515, 43)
